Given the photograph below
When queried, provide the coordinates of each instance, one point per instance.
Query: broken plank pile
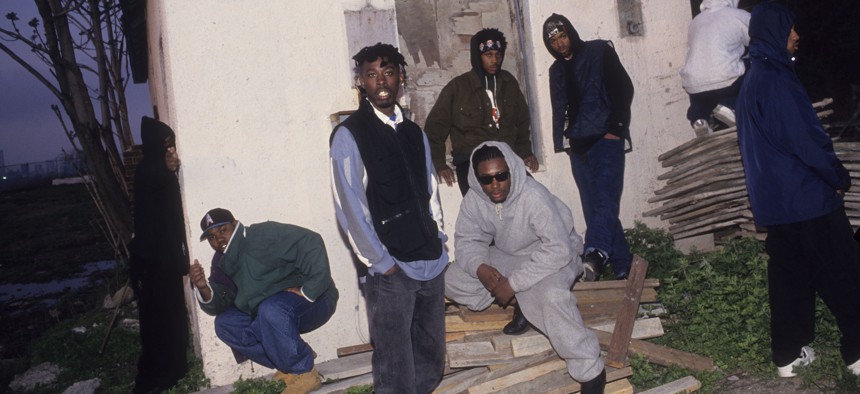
(705, 190)
(481, 359)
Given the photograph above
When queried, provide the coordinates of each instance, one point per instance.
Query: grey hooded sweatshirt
(533, 229)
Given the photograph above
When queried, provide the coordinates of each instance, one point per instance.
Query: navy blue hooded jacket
(792, 173)
(588, 105)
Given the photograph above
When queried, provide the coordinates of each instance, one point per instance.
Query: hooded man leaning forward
(515, 242)
(281, 287)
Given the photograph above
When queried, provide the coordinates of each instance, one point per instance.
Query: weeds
(718, 307)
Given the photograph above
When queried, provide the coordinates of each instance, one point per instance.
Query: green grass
(718, 307)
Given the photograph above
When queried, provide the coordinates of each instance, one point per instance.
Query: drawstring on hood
(556, 24)
(770, 26)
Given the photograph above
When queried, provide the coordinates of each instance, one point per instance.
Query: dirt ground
(751, 385)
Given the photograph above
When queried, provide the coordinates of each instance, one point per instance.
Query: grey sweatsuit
(537, 248)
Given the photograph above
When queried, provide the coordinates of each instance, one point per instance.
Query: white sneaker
(807, 356)
(855, 368)
(702, 128)
(725, 114)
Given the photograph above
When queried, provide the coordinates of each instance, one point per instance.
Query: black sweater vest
(397, 188)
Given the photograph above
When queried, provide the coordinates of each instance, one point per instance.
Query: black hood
(483, 36)
(152, 134)
(555, 22)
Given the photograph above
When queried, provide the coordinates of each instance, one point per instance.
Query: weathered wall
(249, 87)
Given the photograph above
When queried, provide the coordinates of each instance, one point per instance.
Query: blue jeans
(599, 175)
(272, 339)
(407, 327)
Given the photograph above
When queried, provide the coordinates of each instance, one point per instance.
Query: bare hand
(198, 278)
(503, 292)
(610, 136)
(171, 160)
(391, 271)
(489, 277)
(296, 290)
(446, 174)
(531, 162)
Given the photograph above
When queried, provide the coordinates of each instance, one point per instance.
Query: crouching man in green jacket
(272, 284)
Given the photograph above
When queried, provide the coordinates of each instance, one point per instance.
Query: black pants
(815, 256)
(702, 104)
(163, 334)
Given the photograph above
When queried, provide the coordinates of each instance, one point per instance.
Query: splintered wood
(705, 190)
(481, 359)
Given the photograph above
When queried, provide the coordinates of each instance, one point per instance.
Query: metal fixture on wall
(630, 18)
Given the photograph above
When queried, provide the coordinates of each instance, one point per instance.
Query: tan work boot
(302, 383)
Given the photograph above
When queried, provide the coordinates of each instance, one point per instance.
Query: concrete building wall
(250, 86)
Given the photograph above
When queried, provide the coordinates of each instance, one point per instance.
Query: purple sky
(29, 130)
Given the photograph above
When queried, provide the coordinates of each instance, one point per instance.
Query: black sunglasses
(488, 179)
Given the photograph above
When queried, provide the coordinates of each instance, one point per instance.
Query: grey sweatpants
(549, 306)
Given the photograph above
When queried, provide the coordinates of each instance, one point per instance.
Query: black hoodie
(159, 223)
(566, 94)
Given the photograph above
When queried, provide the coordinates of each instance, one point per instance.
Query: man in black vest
(387, 203)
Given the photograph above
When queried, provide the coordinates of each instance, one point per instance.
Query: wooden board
(617, 354)
(525, 375)
(493, 313)
(473, 354)
(611, 295)
(561, 383)
(455, 323)
(460, 381)
(687, 384)
(342, 385)
(662, 355)
(345, 367)
(642, 328)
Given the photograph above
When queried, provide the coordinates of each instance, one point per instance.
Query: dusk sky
(29, 130)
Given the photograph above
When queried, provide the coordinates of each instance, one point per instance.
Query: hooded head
(484, 41)
(770, 27)
(497, 174)
(557, 26)
(715, 4)
(156, 137)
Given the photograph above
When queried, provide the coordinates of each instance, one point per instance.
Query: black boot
(594, 386)
(518, 324)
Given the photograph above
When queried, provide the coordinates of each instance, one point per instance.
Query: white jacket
(715, 43)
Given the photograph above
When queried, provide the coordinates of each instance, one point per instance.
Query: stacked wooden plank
(481, 359)
(705, 190)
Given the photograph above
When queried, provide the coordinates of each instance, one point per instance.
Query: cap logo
(553, 28)
(209, 220)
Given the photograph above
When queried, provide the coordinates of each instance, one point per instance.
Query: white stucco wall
(249, 87)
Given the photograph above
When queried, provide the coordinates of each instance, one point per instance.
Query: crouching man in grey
(516, 244)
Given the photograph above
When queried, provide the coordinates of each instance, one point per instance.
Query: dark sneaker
(518, 324)
(594, 386)
(592, 264)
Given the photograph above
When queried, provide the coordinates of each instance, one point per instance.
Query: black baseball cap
(214, 218)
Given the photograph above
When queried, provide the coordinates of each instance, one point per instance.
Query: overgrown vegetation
(718, 307)
(53, 234)
(258, 386)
